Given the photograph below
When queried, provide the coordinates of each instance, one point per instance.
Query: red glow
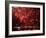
(27, 17)
(22, 14)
